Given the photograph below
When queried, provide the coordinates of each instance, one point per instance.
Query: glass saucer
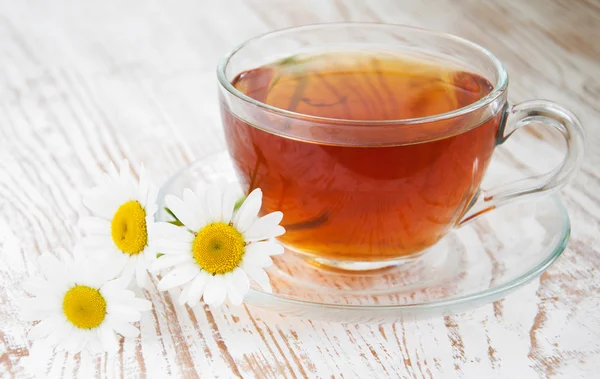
(476, 264)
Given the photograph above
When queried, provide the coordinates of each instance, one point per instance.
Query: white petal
(125, 173)
(75, 341)
(79, 251)
(266, 247)
(265, 227)
(258, 275)
(93, 272)
(48, 303)
(110, 266)
(59, 332)
(215, 291)
(80, 275)
(128, 271)
(196, 205)
(105, 201)
(85, 343)
(118, 284)
(143, 279)
(175, 245)
(66, 338)
(103, 178)
(241, 280)
(177, 277)
(28, 315)
(201, 189)
(167, 261)
(256, 257)
(149, 251)
(122, 312)
(43, 328)
(248, 212)
(83, 338)
(93, 340)
(214, 201)
(170, 232)
(82, 347)
(50, 266)
(275, 232)
(143, 187)
(94, 244)
(101, 206)
(230, 197)
(112, 174)
(63, 256)
(141, 273)
(107, 338)
(123, 328)
(95, 225)
(183, 296)
(97, 279)
(151, 206)
(234, 296)
(173, 248)
(183, 212)
(237, 286)
(140, 305)
(123, 297)
(197, 287)
(36, 286)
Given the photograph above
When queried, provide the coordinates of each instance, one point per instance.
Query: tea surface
(362, 86)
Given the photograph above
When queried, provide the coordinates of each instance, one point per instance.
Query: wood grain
(83, 84)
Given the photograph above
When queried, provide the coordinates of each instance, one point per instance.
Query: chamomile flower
(120, 232)
(79, 307)
(218, 249)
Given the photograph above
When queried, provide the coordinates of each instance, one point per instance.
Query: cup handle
(548, 114)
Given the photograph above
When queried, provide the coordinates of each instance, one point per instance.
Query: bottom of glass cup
(354, 265)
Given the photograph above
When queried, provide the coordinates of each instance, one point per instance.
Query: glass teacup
(373, 139)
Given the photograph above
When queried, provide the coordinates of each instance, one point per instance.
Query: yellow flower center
(218, 248)
(84, 307)
(128, 228)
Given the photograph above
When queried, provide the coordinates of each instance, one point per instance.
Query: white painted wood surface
(86, 83)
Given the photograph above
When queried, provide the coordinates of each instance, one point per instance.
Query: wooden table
(83, 84)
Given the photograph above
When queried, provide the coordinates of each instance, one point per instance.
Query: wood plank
(87, 84)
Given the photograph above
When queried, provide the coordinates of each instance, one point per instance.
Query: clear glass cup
(278, 150)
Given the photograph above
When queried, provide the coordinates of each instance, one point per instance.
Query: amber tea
(362, 202)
